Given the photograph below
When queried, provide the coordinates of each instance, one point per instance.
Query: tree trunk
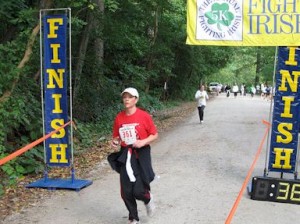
(153, 34)
(99, 45)
(22, 63)
(27, 54)
(99, 52)
(258, 65)
(46, 4)
(81, 53)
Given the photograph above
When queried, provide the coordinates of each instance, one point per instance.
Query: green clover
(219, 15)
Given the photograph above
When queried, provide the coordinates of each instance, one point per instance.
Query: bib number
(128, 135)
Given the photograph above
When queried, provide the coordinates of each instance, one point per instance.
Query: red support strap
(30, 146)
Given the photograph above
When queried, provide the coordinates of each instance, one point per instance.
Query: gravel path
(201, 167)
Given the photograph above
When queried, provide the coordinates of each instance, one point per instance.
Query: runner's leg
(128, 195)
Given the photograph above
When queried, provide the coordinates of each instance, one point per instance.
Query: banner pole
(297, 156)
(270, 112)
(42, 92)
(297, 160)
(71, 95)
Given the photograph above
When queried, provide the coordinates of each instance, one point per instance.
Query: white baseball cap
(131, 91)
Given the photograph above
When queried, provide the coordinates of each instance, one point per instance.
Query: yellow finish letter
(55, 48)
(57, 108)
(292, 53)
(279, 157)
(58, 78)
(286, 76)
(283, 129)
(53, 27)
(55, 153)
(287, 106)
(55, 124)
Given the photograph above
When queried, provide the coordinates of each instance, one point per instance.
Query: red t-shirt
(140, 122)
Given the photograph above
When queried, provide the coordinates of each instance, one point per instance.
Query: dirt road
(201, 167)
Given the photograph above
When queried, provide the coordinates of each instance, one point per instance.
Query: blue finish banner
(56, 89)
(285, 125)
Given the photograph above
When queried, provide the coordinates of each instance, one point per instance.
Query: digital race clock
(275, 189)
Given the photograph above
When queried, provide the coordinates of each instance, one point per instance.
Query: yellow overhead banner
(243, 22)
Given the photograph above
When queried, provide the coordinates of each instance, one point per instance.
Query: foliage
(242, 67)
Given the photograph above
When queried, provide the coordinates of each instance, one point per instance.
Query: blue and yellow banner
(243, 22)
(56, 89)
(286, 112)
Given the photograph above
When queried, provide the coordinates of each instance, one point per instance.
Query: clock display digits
(261, 189)
(283, 191)
(295, 195)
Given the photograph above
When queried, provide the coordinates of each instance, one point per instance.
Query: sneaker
(201, 122)
(150, 206)
(134, 222)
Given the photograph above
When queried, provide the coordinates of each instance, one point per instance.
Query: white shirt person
(201, 96)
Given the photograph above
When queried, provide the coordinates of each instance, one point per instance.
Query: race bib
(128, 135)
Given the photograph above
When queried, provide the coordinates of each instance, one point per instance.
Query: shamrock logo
(219, 15)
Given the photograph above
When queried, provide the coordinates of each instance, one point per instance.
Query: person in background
(235, 90)
(133, 130)
(263, 91)
(201, 97)
(253, 91)
(242, 90)
(268, 92)
(258, 90)
(227, 90)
